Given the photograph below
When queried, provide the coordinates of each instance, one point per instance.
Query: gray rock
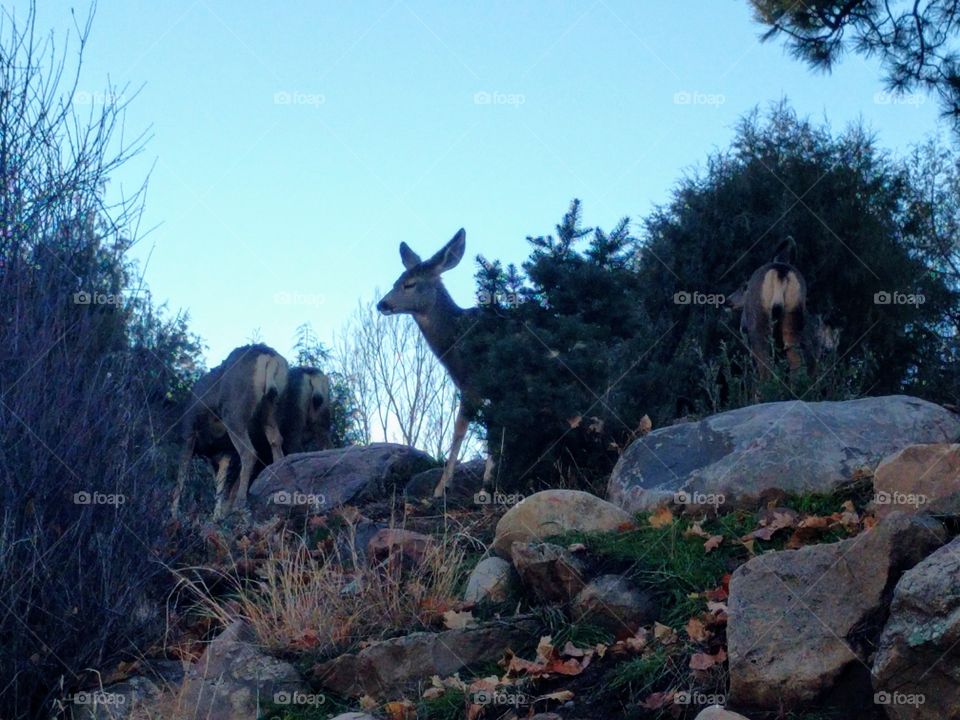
(729, 460)
(715, 712)
(919, 651)
(553, 512)
(492, 580)
(550, 573)
(384, 669)
(354, 716)
(799, 620)
(320, 481)
(232, 680)
(467, 481)
(122, 700)
(919, 478)
(612, 602)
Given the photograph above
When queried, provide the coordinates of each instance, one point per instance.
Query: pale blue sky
(297, 143)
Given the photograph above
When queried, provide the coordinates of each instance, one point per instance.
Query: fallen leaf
(705, 661)
(713, 542)
(658, 700)
(400, 710)
(661, 518)
(454, 620)
(664, 633)
(560, 696)
(697, 630)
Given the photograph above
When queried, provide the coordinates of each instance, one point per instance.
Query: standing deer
(774, 299)
(303, 411)
(419, 292)
(231, 404)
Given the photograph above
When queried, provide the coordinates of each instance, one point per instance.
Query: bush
(89, 380)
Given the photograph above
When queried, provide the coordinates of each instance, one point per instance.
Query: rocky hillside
(787, 560)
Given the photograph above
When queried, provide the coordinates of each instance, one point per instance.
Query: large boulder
(492, 580)
(715, 712)
(466, 483)
(612, 602)
(550, 573)
(917, 666)
(126, 699)
(320, 481)
(233, 680)
(919, 478)
(800, 620)
(384, 669)
(553, 512)
(730, 459)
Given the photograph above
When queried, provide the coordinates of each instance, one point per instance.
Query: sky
(293, 146)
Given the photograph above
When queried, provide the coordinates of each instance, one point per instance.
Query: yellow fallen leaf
(661, 518)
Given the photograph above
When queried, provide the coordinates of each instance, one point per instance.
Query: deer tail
(785, 250)
(270, 378)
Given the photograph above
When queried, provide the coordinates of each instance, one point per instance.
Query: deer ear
(451, 254)
(408, 257)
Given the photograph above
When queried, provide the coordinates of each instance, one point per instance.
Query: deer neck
(441, 329)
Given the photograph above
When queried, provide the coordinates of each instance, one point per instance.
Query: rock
(232, 680)
(549, 572)
(611, 602)
(799, 620)
(350, 546)
(320, 481)
(354, 716)
(411, 547)
(919, 478)
(552, 512)
(383, 669)
(918, 655)
(716, 712)
(467, 482)
(492, 580)
(729, 460)
(124, 699)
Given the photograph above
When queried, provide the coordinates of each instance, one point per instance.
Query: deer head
(416, 290)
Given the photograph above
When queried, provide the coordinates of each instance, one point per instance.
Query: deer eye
(409, 284)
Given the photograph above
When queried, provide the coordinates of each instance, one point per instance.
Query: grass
(301, 602)
(448, 706)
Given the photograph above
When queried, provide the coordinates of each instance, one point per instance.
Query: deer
(774, 303)
(231, 404)
(419, 292)
(303, 411)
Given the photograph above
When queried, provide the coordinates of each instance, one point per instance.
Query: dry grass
(302, 599)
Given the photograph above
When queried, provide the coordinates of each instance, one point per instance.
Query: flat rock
(715, 712)
(613, 603)
(799, 620)
(385, 669)
(320, 481)
(550, 573)
(730, 459)
(917, 666)
(392, 543)
(919, 478)
(553, 512)
(492, 580)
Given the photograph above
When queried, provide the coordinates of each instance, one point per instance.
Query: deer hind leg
(759, 337)
(186, 456)
(272, 431)
(791, 331)
(248, 462)
(460, 426)
(220, 484)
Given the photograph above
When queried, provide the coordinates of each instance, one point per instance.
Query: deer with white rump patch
(419, 292)
(230, 405)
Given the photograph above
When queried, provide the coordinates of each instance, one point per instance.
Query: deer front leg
(460, 426)
(220, 481)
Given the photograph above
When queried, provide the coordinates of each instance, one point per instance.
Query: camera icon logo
(682, 298)
(82, 298)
